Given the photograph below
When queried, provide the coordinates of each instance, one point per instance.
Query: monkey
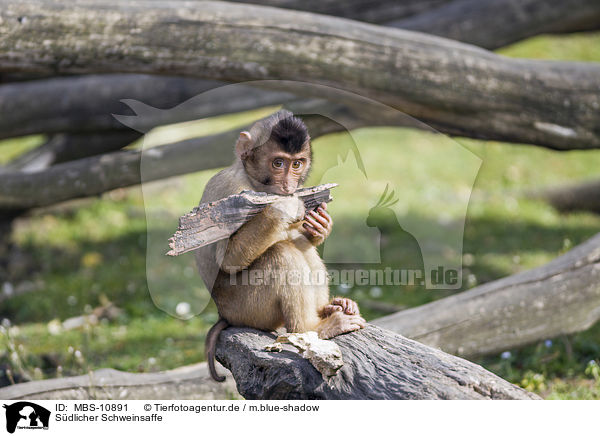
(275, 157)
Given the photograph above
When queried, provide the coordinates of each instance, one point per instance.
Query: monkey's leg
(270, 293)
(338, 323)
(248, 303)
(298, 298)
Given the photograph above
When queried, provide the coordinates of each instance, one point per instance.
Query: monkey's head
(276, 153)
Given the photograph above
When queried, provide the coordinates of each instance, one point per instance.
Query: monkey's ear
(243, 146)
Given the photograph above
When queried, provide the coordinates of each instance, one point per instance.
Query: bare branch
(98, 174)
(86, 103)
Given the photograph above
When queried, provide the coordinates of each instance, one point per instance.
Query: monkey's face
(276, 170)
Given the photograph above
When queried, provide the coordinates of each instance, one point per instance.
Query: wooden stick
(211, 222)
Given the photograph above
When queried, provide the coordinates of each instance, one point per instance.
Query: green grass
(75, 256)
(575, 47)
(14, 147)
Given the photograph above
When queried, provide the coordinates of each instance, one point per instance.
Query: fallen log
(486, 23)
(97, 174)
(456, 88)
(191, 382)
(558, 298)
(84, 104)
(211, 222)
(378, 364)
(68, 147)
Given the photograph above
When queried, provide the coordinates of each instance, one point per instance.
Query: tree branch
(86, 103)
(495, 23)
(584, 196)
(98, 174)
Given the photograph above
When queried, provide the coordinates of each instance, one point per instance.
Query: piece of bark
(378, 364)
(211, 222)
(324, 355)
(86, 104)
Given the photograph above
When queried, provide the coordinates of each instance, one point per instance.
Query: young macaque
(277, 245)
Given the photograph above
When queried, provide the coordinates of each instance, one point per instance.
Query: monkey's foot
(339, 304)
(338, 323)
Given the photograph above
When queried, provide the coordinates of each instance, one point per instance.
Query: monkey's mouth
(279, 191)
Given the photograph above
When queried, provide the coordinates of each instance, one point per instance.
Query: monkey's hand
(318, 224)
(287, 210)
(340, 304)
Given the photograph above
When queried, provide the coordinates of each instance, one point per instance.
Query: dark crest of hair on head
(285, 129)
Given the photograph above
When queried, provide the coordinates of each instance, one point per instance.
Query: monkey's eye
(278, 163)
(297, 164)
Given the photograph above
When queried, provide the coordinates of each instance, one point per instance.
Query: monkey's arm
(254, 238)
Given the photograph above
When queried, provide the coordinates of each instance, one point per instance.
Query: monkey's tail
(211, 344)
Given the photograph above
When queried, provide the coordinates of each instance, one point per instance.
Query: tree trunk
(378, 365)
(558, 298)
(85, 104)
(97, 174)
(487, 23)
(456, 88)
